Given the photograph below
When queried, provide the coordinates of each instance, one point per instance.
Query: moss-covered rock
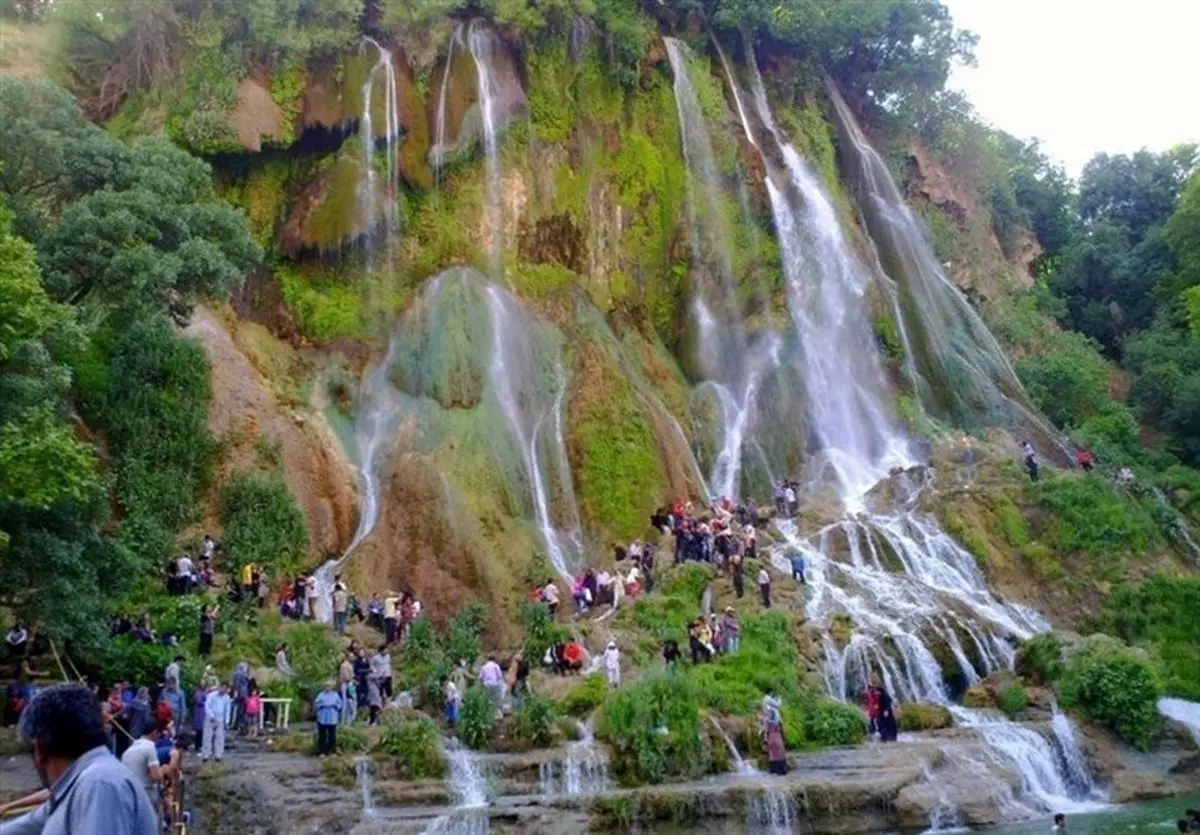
(920, 717)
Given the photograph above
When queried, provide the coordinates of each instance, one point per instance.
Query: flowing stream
(365, 780)
(470, 794)
(439, 128)
(734, 368)
(368, 190)
(584, 772)
(517, 377)
(481, 42)
(1184, 712)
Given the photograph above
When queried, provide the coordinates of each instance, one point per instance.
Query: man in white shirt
(141, 758)
(172, 671)
(550, 595)
(216, 716)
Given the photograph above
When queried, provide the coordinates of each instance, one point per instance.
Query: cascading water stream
(734, 368)
(365, 780)
(368, 186)
(1184, 712)
(481, 43)
(536, 429)
(847, 398)
(584, 771)
(470, 794)
(957, 365)
(439, 130)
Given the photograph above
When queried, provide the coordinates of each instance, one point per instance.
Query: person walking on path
(764, 587)
(328, 707)
(90, 792)
(216, 715)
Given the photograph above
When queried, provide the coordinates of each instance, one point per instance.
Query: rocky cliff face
(568, 191)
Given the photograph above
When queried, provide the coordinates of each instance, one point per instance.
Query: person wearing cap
(612, 664)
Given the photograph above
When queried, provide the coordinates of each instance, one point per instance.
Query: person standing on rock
(341, 599)
(216, 717)
(1031, 463)
(772, 721)
(551, 596)
(348, 689)
(885, 722)
(208, 620)
(797, 561)
(453, 698)
(732, 630)
(328, 707)
(612, 664)
(739, 580)
(391, 606)
(764, 587)
(492, 679)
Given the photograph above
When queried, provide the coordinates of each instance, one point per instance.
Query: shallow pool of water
(1154, 818)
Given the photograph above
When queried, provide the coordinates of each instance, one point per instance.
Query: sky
(1085, 76)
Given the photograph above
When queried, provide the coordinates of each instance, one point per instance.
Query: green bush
(1161, 614)
(541, 632)
(464, 633)
(919, 717)
(534, 723)
(585, 696)
(477, 718)
(262, 523)
(1012, 699)
(1115, 686)
(1093, 518)
(314, 653)
(128, 660)
(654, 730)
(1040, 659)
(351, 740)
(416, 744)
(1069, 383)
(830, 722)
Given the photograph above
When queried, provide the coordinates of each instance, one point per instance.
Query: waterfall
(364, 779)
(536, 428)
(848, 397)
(584, 772)
(481, 42)
(374, 425)
(734, 368)
(439, 130)
(958, 366)
(771, 812)
(470, 794)
(1184, 712)
(367, 187)
(740, 765)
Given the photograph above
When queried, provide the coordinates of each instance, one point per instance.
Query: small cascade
(740, 765)
(1053, 775)
(734, 368)
(584, 772)
(470, 794)
(364, 780)
(481, 42)
(439, 126)
(945, 816)
(1182, 711)
(771, 812)
(536, 426)
(368, 193)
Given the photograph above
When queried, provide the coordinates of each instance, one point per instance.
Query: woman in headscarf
(772, 721)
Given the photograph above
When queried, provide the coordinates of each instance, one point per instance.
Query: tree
(1136, 191)
(262, 523)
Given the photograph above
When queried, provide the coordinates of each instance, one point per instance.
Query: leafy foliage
(654, 729)
(263, 526)
(1068, 381)
(1040, 659)
(1092, 517)
(1160, 615)
(1012, 699)
(1116, 686)
(477, 718)
(535, 722)
(416, 744)
(585, 696)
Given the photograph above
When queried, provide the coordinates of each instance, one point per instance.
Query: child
(253, 710)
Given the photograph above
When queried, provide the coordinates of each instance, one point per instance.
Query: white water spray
(1184, 712)
(439, 134)
(481, 42)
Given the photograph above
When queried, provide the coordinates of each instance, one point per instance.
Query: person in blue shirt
(91, 793)
(328, 706)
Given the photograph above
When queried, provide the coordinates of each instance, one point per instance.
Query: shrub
(918, 717)
(1115, 686)
(477, 718)
(1040, 659)
(830, 722)
(540, 630)
(351, 740)
(1093, 518)
(1012, 699)
(128, 660)
(416, 745)
(1068, 383)
(464, 632)
(654, 729)
(585, 696)
(313, 653)
(262, 523)
(534, 723)
(1161, 614)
